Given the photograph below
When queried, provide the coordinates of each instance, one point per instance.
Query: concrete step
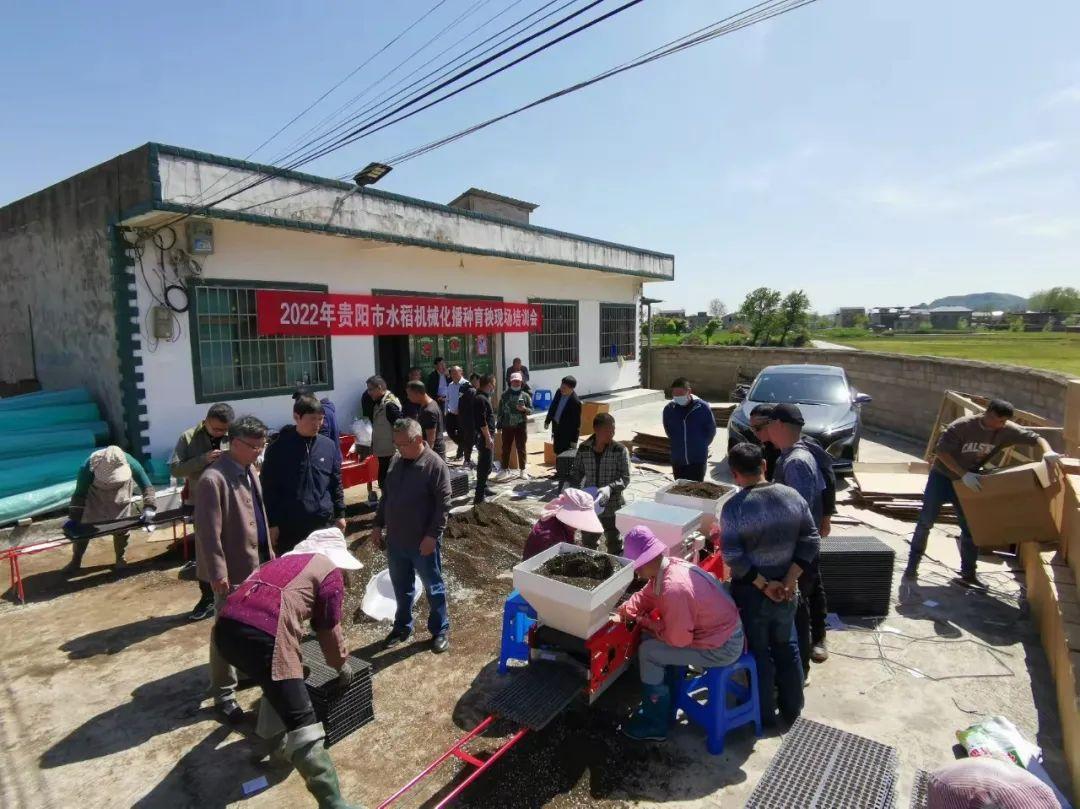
(615, 401)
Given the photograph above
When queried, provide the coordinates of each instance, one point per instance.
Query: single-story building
(885, 317)
(849, 316)
(950, 317)
(122, 279)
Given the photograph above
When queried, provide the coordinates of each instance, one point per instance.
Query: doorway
(392, 362)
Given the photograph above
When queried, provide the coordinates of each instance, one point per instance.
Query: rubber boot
(650, 721)
(306, 750)
(78, 550)
(119, 543)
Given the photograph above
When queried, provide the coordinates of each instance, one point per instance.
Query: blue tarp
(31, 443)
(45, 398)
(44, 417)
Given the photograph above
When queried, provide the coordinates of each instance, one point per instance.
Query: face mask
(681, 401)
(515, 388)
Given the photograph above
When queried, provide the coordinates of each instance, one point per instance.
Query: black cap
(787, 413)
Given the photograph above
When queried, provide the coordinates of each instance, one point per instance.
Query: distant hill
(981, 302)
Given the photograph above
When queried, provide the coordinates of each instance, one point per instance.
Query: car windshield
(801, 389)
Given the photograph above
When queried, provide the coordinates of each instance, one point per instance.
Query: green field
(1048, 351)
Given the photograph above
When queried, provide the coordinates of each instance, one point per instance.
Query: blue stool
(541, 400)
(715, 715)
(518, 616)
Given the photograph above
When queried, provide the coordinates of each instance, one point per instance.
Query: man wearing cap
(689, 620)
(414, 512)
(798, 467)
(513, 422)
(769, 540)
(259, 630)
(573, 510)
(104, 489)
(690, 427)
(602, 463)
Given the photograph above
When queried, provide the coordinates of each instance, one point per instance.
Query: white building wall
(268, 254)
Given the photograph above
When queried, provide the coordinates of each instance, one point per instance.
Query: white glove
(148, 515)
(1051, 457)
(603, 495)
(971, 480)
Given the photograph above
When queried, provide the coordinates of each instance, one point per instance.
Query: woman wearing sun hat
(573, 510)
(689, 620)
(259, 631)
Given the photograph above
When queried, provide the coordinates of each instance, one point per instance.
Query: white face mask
(515, 388)
(681, 401)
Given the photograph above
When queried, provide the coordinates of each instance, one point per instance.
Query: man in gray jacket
(195, 450)
(233, 538)
(413, 512)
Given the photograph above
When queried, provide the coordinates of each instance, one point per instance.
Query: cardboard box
(549, 454)
(589, 411)
(1018, 504)
(498, 452)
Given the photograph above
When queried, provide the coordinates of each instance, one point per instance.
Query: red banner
(294, 312)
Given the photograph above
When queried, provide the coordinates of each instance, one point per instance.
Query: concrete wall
(54, 263)
(906, 390)
(268, 254)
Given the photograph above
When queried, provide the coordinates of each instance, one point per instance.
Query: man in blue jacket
(301, 479)
(691, 427)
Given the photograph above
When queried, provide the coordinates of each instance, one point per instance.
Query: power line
(755, 14)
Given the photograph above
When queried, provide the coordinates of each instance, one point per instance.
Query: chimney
(479, 201)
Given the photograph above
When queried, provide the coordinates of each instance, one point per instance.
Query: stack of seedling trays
(341, 713)
(857, 574)
(459, 482)
(920, 790)
(564, 464)
(821, 767)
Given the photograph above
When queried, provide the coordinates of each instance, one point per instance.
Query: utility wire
(755, 14)
(368, 129)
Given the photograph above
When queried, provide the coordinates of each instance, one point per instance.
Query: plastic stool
(541, 400)
(715, 716)
(518, 616)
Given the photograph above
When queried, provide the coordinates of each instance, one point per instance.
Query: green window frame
(618, 328)
(556, 344)
(230, 360)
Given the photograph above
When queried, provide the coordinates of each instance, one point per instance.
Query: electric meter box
(200, 236)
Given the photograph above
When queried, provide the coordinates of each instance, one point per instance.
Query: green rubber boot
(650, 721)
(308, 754)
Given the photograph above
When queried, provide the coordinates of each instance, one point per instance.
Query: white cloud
(1018, 157)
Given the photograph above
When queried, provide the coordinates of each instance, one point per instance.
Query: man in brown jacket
(233, 538)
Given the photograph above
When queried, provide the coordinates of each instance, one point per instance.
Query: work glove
(1051, 458)
(603, 495)
(148, 515)
(971, 480)
(344, 679)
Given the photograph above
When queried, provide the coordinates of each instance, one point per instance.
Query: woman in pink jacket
(689, 620)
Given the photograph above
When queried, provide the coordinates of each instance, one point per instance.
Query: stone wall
(907, 390)
(55, 271)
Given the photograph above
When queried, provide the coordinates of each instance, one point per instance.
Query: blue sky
(871, 152)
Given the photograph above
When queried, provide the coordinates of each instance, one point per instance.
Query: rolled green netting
(32, 443)
(20, 475)
(100, 429)
(45, 398)
(45, 417)
(40, 501)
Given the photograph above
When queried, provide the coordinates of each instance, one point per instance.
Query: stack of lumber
(652, 447)
(895, 490)
(722, 412)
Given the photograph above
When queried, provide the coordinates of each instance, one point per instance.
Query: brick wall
(906, 390)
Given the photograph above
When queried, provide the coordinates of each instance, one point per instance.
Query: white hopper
(566, 607)
(710, 509)
(670, 524)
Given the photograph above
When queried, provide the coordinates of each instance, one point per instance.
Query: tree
(759, 310)
(717, 308)
(861, 322)
(1063, 300)
(794, 314)
(710, 329)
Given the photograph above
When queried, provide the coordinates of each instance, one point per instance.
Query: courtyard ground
(102, 681)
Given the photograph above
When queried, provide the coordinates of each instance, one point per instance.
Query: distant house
(885, 317)
(671, 314)
(1037, 321)
(988, 319)
(731, 319)
(698, 321)
(847, 316)
(913, 319)
(950, 317)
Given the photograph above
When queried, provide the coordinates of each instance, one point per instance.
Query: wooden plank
(903, 485)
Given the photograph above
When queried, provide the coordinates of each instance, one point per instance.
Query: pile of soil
(585, 570)
(709, 491)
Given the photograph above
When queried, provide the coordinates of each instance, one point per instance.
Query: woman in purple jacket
(571, 511)
(259, 631)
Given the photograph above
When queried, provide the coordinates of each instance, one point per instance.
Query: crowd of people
(270, 536)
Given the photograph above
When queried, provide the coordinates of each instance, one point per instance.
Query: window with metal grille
(618, 322)
(232, 361)
(556, 344)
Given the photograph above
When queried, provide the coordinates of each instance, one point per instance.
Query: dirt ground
(103, 677)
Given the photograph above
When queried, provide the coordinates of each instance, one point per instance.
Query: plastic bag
(379, 601)
(362, 428)
(998, 738)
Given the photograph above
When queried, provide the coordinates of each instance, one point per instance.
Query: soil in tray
(709, 491)
(585, 570)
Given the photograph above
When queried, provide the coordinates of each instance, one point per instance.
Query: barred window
(556, 344)
(230, 359)
(618, 322)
